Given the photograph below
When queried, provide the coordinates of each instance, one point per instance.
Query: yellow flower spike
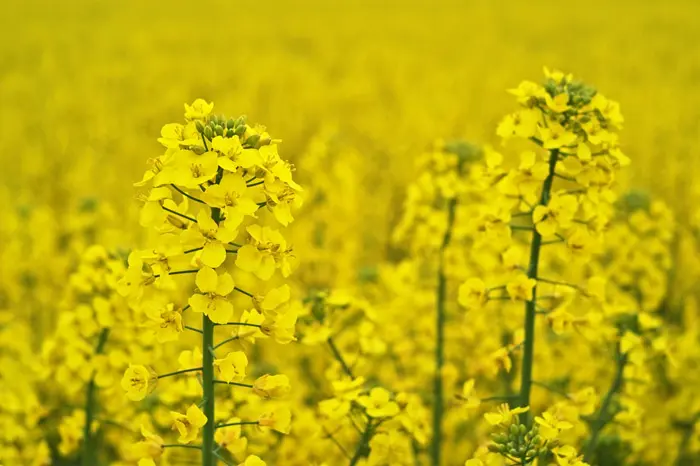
(188, 425)
(232, 367)
(138, 382)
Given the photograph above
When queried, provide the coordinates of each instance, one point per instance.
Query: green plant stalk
(531, 306)
(603, 415)
(87, 457)
(440, 317)
(208, 456)
(363, 444)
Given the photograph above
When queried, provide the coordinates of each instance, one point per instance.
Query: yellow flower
(468, 396)
(211, 299)
(555, 136)
(165, 321)
(233, 366)
(188, 169)
(559, 213)
(279, 420)
(138, 381)
(188, 425)
(233, 198)
(521, 287)
(266, 250)
(550, 425)
(199, 110)
(378, 403)
(522, 124)
(271, 386)
(151, 446)
(275, 302)
(504, 415)
(212, 238)
(230, 437)
(472, 293)
(253, 460)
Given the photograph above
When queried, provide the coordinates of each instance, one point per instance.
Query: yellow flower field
(375, 234)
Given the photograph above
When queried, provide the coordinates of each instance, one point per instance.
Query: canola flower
(216, 182)
(415, 276)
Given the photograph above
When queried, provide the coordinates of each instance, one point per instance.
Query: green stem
(362, 444)
(339, 357)
(440, 317)
(87, 458)
(240, 423)
(531, 306)
(183, 371)
(208, 456)
(603, 415)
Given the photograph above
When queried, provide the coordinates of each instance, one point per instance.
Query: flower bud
(240, 130)
(253, 140)
(230, 123)
(198, 124)
(208, 133)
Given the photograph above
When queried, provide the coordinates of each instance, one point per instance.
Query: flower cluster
(210, 195)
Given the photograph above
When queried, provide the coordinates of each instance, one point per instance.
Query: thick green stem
(441, 292)
(208, 458)
(603, 416)
(531, 306)
(87, 457)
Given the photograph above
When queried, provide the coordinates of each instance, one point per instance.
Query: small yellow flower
(521, 288)
(503, 415)
(279, 420)
(211, 299)
(272, 386)
(232, 367)
(188, 425)
(378, 403)
(138, 381)
(253, 460)
(472, 293)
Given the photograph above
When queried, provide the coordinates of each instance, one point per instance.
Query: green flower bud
(198, 124)
(499, 438)
(219, 130)
(230, 133)
(522, 429)
(494, 448)
(240, 130)
(253, 140)
(513, 452)
(536, 440)
(208, 132)
(240, 121)
(230, 123)
(531, 453)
